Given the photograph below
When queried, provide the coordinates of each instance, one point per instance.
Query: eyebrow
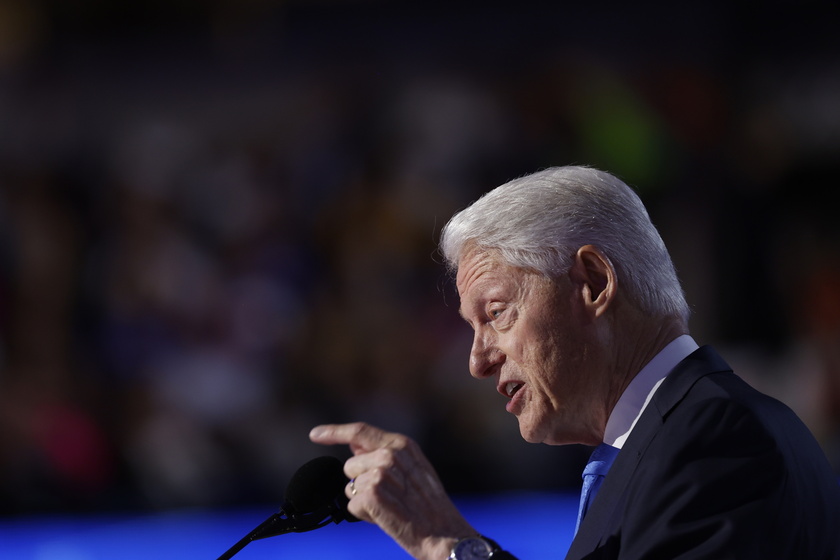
(464, 317)
(461, 313)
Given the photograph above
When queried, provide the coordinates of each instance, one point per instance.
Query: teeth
(511, 388)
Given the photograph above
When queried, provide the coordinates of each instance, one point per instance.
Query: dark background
(218, 222)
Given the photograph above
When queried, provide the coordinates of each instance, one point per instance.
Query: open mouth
(511, 388)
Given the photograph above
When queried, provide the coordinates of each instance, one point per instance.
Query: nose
(485, 356)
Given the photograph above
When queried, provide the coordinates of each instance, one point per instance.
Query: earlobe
(596, 277)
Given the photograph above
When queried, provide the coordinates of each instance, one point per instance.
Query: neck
(639, 342)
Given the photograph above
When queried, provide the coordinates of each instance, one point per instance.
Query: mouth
(510, 388)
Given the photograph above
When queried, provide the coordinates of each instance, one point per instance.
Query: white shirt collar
(639, 392)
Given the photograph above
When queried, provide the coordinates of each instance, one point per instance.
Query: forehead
(475, 267)
(483, 275)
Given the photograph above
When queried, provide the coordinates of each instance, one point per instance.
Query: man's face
(532, 338)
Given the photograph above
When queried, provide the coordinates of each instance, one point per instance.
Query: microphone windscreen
(315, 484)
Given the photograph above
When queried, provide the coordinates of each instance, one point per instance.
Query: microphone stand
(282, 523)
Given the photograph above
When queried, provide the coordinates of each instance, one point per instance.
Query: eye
(495, 312)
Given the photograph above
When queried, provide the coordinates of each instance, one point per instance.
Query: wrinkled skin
(560, 350)
(398, 489)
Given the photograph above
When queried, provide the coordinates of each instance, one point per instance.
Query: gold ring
(353, 487)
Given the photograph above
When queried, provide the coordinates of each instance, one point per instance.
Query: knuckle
(400, 442)
(358, 428)
(385, 456)
(378, 475)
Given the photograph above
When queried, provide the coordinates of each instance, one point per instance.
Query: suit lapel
(593, 529)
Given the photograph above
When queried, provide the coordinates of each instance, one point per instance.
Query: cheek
(541, 362)
(550, 345)
(558, 363)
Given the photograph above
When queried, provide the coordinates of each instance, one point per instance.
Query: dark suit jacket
(716, 470)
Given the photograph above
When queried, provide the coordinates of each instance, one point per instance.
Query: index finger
(361, 437)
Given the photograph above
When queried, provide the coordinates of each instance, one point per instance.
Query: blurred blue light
(529, 525)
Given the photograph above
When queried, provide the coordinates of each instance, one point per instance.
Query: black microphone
(314, 498)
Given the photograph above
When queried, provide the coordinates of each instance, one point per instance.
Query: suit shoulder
(724, 399)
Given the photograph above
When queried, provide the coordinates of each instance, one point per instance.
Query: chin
(531, 439)
(531, 433)
(535, 433)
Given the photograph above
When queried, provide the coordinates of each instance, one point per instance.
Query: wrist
(477, 547)
(433, 548)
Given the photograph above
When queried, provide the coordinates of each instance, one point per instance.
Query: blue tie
(596, 469)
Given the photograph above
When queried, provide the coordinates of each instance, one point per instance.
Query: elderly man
(580, 322)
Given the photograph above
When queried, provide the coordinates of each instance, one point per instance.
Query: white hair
(540, 221)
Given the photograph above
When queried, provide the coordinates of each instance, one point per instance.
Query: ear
(594, 276)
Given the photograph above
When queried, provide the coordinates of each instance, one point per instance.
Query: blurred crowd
(218, 230)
